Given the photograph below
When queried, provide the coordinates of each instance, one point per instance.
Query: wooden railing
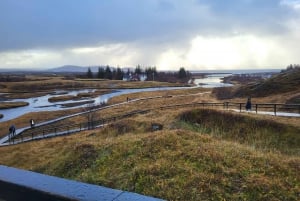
(40, 133)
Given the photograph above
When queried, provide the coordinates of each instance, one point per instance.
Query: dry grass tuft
(175, 164)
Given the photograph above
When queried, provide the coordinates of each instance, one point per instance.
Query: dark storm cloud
(63, 23)
(43, 32)
(57, 23)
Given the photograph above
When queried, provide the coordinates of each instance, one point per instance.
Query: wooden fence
(40, 133)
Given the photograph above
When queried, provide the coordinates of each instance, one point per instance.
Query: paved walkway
(31, 184)
(4, 140)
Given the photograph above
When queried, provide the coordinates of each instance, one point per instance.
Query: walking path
(5, 140)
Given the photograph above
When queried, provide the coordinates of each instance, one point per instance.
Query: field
(36, 84)
(184, 161)
(200, 153)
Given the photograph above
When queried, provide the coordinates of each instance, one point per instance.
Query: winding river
(38, 104)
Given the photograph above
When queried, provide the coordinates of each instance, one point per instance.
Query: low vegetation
(286, 81)
(8, 105)
(199, 155)
(265, 134)
(39, 117)
(61, 98)
(54, 83)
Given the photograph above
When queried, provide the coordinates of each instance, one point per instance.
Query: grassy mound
(173, 164)
(285, 81)
(263, 134)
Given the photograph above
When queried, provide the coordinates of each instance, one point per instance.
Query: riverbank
(8, 105)
(51, 84)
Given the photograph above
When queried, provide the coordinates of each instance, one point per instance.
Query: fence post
(240, 107)
(275, 109)
(256, 107)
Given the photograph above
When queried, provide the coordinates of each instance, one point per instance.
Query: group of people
(12, 128)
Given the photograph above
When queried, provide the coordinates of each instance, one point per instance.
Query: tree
(108, 73)
(151, 73)
(114, 74)
(89, 73)
(138, 70)
(182, 73)
(101, 73)
(119, 74)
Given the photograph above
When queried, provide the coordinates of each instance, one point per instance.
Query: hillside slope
(284, 82)
(184, 161)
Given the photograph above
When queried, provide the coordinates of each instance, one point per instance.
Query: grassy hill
(286, 81)
(199, 155)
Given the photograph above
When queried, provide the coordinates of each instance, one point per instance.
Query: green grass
(262, 134)
(184, 161)
(180, 165)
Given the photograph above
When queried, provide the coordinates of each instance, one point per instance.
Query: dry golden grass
(7, 105)
(55, 83)
(174, 164)
(177, 163)
(201, 93)
(277, 98)
(39, 117)
(61, 98)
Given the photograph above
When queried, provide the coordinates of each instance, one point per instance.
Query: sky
(168, 34)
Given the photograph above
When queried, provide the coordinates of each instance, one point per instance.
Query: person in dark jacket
(248, 104)
(12, 132)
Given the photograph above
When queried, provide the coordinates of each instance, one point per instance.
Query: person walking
(31, 123)
(12, 132)
(248, 104)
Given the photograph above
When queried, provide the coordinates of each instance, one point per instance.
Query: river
(212, 80)
(39, 104)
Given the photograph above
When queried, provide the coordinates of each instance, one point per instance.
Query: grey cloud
(60, 24)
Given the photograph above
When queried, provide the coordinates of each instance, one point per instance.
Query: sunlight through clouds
(167, 34)
(29, 59)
